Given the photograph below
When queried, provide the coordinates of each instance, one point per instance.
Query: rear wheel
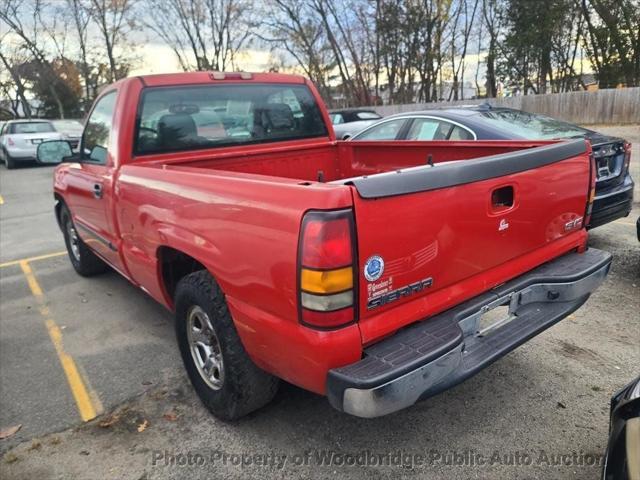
(84, 261)
(224, 377)
(9, 162)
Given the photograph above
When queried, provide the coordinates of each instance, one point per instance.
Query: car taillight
(326, 278)
(627, 156)
(591, 192)
(10, 141)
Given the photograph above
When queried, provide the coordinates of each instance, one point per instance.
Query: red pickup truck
(375, 273)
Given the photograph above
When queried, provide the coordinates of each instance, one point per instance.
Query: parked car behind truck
(19, 140)
(71, 130)
(355, 270)
(614, 185)
(349, 121)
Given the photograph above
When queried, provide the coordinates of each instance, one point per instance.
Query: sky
(159, 58)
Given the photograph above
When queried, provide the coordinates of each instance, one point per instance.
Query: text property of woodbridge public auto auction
(398, 458)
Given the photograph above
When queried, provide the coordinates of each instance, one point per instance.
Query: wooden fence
(607, 106)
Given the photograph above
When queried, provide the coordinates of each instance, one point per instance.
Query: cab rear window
(197, 117)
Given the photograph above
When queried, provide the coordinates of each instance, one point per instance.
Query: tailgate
(422, 231)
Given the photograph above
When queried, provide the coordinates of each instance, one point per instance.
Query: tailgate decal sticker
(391, 296)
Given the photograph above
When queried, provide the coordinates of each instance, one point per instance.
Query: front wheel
(84, 261)
(227, 381)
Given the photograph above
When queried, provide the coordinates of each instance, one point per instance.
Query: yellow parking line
(87, 408)
(1, 200)
(32, 259)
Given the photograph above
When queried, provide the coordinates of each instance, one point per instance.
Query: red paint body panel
(238, 211)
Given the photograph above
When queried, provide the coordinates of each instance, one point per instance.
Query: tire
(233, 385)
(84, 261)
(9, 162)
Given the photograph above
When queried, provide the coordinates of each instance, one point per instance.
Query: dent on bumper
(411, 365)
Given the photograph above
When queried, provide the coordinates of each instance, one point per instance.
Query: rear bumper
(16, 153)
(431, 356)
(612, 204)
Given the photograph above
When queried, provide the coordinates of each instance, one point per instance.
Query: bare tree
(16, 84)
(290, 27)
(204, 34)
(80, 13)
(612, 39)
(465, 15)
(12, 14)
(114, 19)
(491, 12)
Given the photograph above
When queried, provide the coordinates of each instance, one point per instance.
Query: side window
(460, 134)
(384, 131)
(429, 129)
(426, 129)
(95, 139)
(337, 119)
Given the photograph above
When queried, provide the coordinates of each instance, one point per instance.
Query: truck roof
(185, 78)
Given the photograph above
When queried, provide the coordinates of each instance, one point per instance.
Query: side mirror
(346, 136)
(53, 152)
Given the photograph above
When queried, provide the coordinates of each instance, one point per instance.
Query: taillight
(326, 278)
(591, 192)
(627, 156)
(10, 141)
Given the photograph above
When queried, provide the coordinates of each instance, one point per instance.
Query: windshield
(31, 127)
(195, 117)
(531, 125)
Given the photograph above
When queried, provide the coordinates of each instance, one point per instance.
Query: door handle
(97, 190)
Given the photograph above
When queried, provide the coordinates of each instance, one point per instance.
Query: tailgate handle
(502, 198)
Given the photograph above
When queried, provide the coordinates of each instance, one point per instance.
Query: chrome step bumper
(428, 357)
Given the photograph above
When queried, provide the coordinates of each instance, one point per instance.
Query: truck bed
(438, 223)
(342, 160)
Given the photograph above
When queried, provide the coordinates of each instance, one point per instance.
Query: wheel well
(174, 265)
(58, 206)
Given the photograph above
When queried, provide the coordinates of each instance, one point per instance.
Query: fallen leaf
(170, 416)
(110, 420)
(35, 445)
(7, 432)
(10, 458)
(143, 426)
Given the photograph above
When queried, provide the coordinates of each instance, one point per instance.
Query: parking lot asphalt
(73, 348)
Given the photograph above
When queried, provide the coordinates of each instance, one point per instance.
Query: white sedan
(19, 140)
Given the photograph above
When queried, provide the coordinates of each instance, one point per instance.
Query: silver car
(71, 131)
(349, 121)
(19, 140)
